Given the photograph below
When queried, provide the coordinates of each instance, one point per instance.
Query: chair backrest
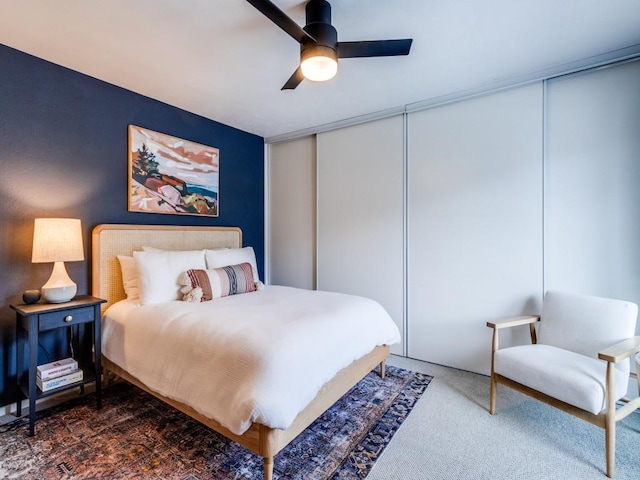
(585, 324)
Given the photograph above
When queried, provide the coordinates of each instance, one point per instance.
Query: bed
(109, 241)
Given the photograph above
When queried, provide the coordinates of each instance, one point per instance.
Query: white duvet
(256, 357)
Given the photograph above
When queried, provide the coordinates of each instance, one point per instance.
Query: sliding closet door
(360, 213)
(291, 173)
(592, 203)
(475, 223)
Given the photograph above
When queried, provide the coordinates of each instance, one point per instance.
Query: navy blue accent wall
(63, 153)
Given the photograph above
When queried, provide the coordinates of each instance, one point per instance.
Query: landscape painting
(172, 175)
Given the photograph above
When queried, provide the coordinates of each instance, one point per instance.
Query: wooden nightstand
(80, 314)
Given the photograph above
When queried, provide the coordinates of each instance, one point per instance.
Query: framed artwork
(172, 175)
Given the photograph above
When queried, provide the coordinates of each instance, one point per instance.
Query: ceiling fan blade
(277, 16)
(294, 80)
(374, 48)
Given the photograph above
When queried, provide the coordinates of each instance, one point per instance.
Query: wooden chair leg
(492, 394)
(610, 421)
(268, 468)
(492, 390)
(610, 447)
(383, 368)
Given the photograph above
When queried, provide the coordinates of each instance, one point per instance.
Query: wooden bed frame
(108, 241)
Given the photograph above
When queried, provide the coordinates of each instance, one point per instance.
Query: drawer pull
(68, 318)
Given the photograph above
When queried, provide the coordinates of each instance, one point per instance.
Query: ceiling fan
(319, 46)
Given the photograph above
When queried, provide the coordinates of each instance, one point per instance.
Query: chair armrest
(621, 350)
(514, 322)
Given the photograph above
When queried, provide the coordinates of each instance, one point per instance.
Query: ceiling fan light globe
(318, 62)
(319, 68)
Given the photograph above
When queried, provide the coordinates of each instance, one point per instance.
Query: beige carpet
(450, 435)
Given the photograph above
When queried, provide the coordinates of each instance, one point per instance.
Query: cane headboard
(109, 241)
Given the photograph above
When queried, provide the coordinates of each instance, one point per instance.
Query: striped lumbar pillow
(205, 285)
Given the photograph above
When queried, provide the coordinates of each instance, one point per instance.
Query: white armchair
(579, 361)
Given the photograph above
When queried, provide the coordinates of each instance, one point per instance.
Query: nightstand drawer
(65, 318)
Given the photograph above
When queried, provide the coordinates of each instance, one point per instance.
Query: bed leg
(105, 377)
(268, 468)
(383, 365)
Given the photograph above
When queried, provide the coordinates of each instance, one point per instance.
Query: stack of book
(58, 374)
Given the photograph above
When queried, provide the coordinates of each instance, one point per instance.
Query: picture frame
(171, 175)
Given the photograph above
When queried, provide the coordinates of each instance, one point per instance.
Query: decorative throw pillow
(205, 285)
(232, 256)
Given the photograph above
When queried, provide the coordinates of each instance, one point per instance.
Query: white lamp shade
(57, 240)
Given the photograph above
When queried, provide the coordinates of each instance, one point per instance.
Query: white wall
(593, 182)
(360, 213)
(291, 257)
(475, 223)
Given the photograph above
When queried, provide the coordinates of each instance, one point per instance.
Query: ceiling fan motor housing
(318, 17)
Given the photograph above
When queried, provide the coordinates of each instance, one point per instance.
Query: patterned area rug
(137, 436)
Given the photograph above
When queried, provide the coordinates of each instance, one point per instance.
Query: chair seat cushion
(571, 377)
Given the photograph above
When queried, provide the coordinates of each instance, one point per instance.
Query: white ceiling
(224, 60)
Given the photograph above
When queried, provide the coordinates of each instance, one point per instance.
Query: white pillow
(232, 256)
(155, 249)
(129, 277)
(158, 273)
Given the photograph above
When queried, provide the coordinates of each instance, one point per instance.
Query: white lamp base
(59, 288)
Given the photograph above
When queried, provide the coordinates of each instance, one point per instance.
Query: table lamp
(57, 240)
